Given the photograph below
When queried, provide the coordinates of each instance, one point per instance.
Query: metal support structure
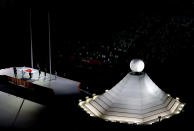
(31, 38)
(49, 29)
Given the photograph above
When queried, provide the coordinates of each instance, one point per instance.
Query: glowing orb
(137, 65)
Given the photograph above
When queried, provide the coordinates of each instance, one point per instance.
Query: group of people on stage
(45, 71)
(23, 73)
(39, 70)
(30, 72)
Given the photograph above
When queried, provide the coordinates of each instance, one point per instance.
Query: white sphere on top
(137, 65)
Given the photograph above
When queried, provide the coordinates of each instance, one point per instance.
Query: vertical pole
(31, 39)
(49, 43)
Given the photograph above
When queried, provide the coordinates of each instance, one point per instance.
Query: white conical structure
(135, 99)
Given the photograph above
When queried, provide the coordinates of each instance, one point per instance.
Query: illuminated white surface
(137, 65)
(60, 85)
(9, 107)
(135, 99)
(29, 114)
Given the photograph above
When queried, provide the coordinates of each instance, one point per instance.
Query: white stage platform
(9, 108)
(60, 85)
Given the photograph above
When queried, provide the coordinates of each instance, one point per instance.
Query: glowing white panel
(9, 106)
(10, 116)
(29, 114)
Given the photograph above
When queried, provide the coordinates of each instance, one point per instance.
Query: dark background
(160, 33)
